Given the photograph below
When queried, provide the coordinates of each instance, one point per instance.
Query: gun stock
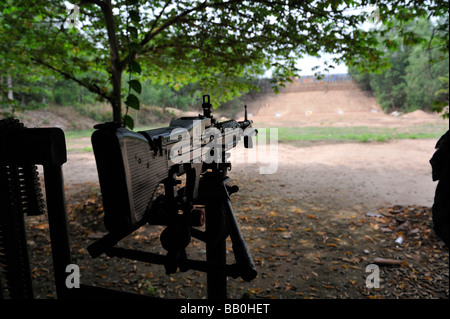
(129, 172)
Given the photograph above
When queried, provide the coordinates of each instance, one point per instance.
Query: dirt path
(347, 176)
(356, 175)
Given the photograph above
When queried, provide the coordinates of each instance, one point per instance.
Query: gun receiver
(138, 174)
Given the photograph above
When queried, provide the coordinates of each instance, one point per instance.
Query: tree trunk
(80, 95)
(116, 79)
(116, 65)
(10, 88)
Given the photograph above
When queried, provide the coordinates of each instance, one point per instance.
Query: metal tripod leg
(57, 219)
(216, 233)
(216, 254)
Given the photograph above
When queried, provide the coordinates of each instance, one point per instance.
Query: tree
(442, 96)
(427, 64)
(415, 68)
(165, 96)
(215, 43)
(21, 81)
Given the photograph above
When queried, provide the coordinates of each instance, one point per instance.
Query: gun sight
(206, 106)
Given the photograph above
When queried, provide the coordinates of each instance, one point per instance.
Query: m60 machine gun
(132, 167)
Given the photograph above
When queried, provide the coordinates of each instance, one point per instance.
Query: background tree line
(419, 69)
(28, 93)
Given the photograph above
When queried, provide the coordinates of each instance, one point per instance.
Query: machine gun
(140, 179)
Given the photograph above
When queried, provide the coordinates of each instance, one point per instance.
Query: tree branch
(94, 88)
(150, 35)
(100, 3)
(117, 66)
(159, 16)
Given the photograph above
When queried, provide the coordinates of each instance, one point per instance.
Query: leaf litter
(299, 252)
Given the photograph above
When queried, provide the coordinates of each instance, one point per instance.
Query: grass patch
(300, 135)
(85, 149)
(78, 133)
(359, 133)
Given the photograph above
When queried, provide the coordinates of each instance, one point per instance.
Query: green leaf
(133, 101)
(133, 32)
(134, 16)
(135, 46)
(275, 89)
(135, 67)
(135, 85)
(128, 121)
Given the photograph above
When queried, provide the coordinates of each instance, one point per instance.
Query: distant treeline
(419, 74)
(306, 83)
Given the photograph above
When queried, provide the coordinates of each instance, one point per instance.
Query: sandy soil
(347, 175)
(350, 176)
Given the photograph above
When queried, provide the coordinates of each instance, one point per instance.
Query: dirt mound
(417, 114)
(67, 119)
(328, 108)
(180, 113)
(300, 103)
(45, 118)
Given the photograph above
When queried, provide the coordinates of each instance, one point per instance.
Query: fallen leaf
(281, 253)
(386, 261)
(320, 233)
(272, 214)
(286, 234)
